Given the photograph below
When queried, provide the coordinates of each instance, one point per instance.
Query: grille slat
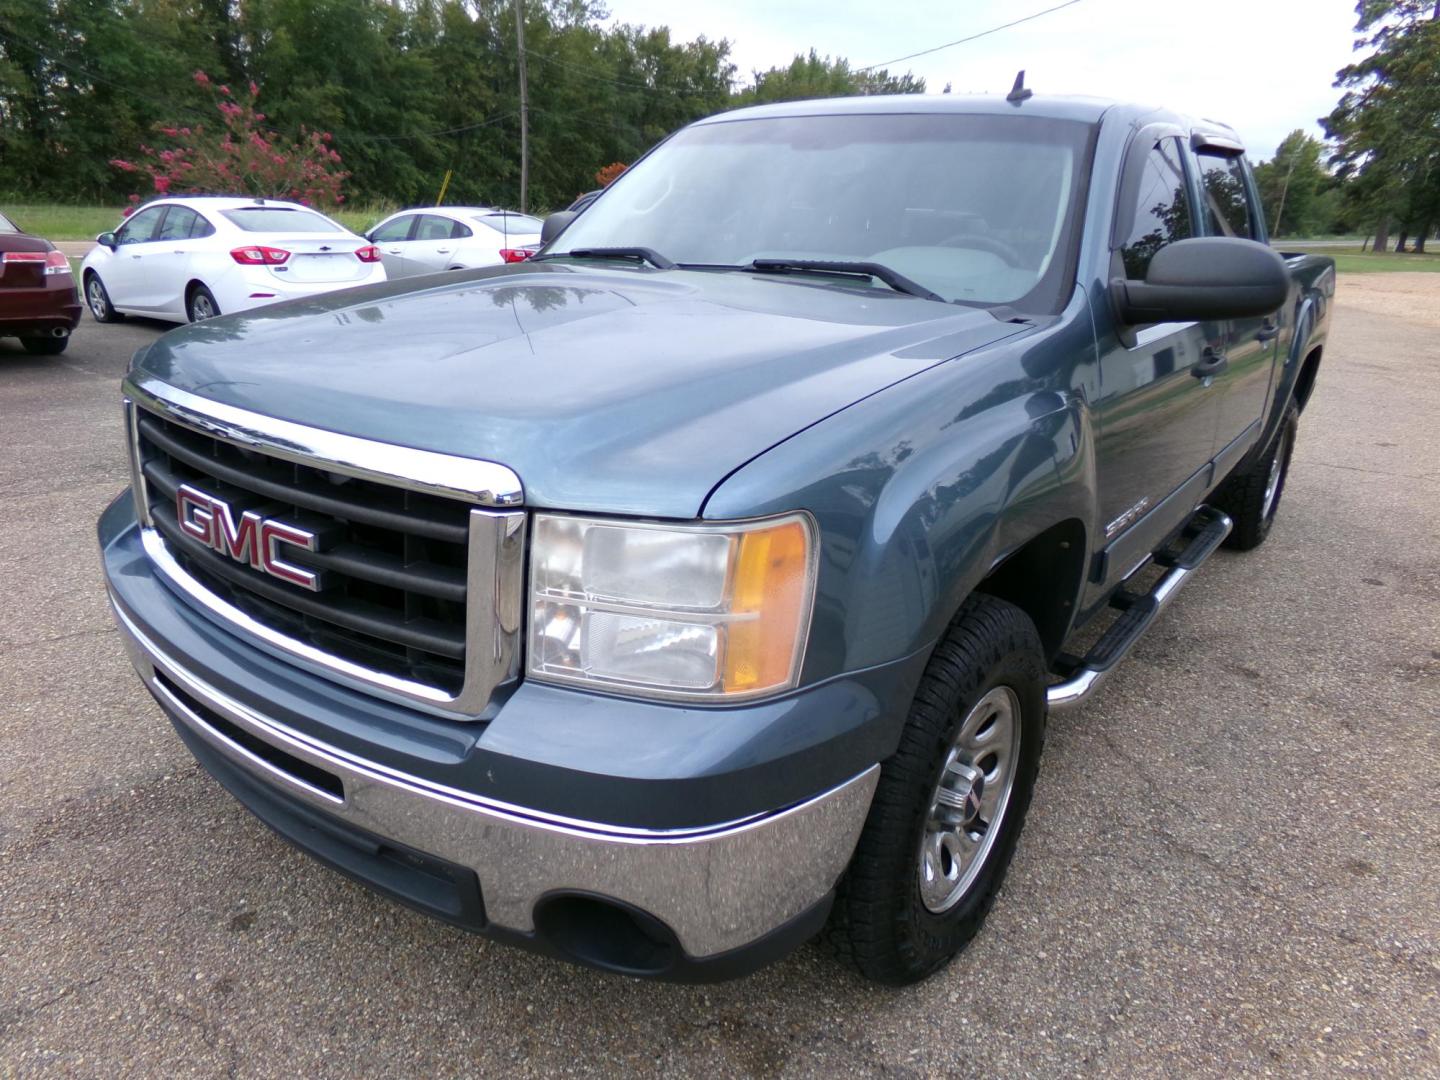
(264, 476)
(367, 618)
(429, 579)
(393, 589)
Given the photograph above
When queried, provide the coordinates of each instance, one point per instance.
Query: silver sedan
(426, 240)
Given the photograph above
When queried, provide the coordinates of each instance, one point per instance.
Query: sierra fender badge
(1129, 517)
(253, 539)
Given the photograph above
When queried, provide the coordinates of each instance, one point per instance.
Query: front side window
(978, 209)
(1227, 199)
(140, 227)
(280, 219)
(394, 230)
(1161, 207)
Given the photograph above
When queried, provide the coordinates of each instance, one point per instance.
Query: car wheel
(200, 304)
(45, 346)
(98, 300)
(1251, 496)
(950, 802)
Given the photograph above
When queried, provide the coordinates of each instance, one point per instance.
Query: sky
(1266, 67)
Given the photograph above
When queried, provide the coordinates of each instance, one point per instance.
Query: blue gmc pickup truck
(703, 584)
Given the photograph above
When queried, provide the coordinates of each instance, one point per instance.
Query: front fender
(921, 489)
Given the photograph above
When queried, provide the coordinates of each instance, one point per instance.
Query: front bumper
(691, 902)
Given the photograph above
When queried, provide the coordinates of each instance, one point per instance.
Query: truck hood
(605, 389)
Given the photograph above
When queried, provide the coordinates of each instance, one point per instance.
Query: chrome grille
(418, 593)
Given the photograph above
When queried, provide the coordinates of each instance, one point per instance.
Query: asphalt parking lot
(1232, 864)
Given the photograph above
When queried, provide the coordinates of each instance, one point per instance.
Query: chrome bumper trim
(717, 887)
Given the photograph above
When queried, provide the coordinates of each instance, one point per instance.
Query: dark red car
(38, 300)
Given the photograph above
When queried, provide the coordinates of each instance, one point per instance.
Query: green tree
(1293, 185)
(814, 76)
(1386, 126)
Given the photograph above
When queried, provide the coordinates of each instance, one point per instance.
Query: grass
(1352, 261)
(62, 221)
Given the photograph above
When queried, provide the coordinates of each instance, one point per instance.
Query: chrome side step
(1205, 532)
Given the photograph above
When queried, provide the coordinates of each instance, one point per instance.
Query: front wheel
(1251, 496)
(951, 801)
(98, 300)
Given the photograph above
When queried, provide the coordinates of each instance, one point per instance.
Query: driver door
(127, 274)
(1157, 408)
(393, 240)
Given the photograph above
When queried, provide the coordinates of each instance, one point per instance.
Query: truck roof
(1052, 106)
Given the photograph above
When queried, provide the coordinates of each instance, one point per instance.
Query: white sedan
(426, 241)
(195, 257)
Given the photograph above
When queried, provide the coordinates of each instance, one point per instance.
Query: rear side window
(1227, 210)
(179, 221)
(459, 230)
(6, 225)
(1162, 209)
(433, 227)
(279, 219)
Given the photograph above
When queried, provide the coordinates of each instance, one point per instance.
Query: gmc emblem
(255, 540)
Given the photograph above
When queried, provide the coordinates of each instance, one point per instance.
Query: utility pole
(1284, 190)
(524, 108)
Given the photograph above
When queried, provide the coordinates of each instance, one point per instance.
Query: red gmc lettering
(255, 541)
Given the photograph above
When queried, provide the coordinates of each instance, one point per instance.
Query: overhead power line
(972, 37)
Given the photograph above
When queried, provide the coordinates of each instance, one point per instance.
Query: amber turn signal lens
(770, 603)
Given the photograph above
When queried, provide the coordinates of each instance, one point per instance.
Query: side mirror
(1208, 277)
(106, 239)
(555, 225)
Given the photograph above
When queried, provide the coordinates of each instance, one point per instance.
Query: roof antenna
(1019, 92)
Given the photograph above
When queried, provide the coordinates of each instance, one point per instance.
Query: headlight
(698, 612)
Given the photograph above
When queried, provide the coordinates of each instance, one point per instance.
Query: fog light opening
(606, 934)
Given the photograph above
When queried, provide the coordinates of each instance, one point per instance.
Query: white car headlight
(695, 612)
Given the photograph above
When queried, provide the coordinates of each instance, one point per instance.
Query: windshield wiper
(879, 271)
(644, 254)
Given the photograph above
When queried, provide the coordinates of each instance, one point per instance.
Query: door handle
(442, 251)
(1267, 331)
(1211, 362)
(392, 251)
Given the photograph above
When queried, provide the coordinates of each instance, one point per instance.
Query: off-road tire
(879, 923)
(45, 346)
(1243, 494)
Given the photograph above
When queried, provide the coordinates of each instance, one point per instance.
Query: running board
(1205, 531)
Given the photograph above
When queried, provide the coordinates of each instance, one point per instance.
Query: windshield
(271, 219)
(979, 209)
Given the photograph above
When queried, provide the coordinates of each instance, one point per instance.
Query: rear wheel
(1252, 496)
(98, 300)
(45, 346)
(951, 801)
(200, 304)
